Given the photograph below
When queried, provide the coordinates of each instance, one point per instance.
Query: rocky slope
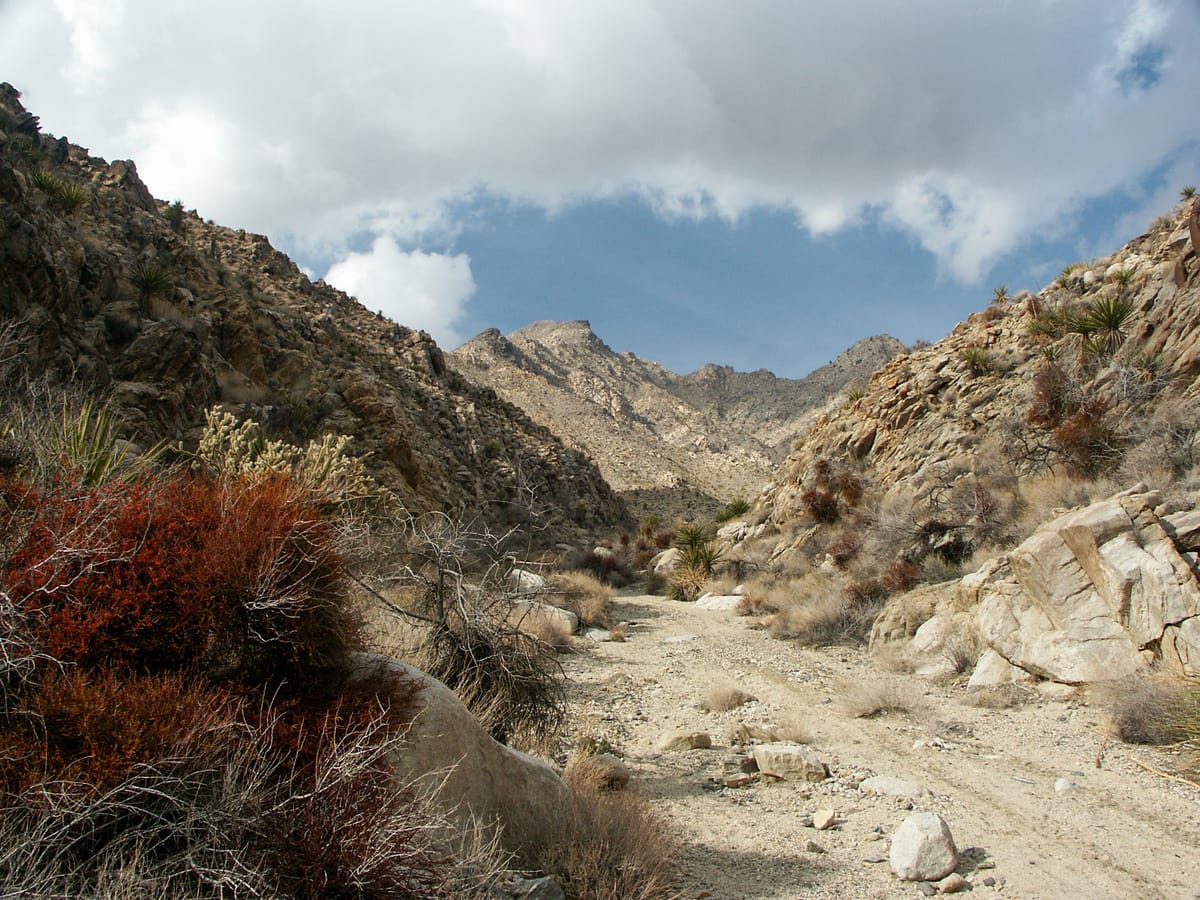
(233, 321)
(963, 404)
(653, 433)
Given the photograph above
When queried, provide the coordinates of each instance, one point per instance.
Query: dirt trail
(991, 774)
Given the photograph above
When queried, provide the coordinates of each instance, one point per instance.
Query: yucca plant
(1188, 192)
(1102, 324)
(978, 360)
(150, 277)
(1000, 295)
(65, 194)
(738, 506)
(89, 447)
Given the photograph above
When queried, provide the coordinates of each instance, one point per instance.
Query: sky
(754, 183)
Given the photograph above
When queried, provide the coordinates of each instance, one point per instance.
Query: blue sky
(755, 183)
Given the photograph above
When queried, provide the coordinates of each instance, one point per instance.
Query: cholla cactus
(325, 467)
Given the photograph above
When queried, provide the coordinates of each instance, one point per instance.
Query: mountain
(1096, 376)
(673, 444)
(126, 296)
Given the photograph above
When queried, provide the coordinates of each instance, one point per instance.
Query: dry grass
(827, 618)
(1152, 709)
(894, 658)
(607, 846)
(1000, 696)
(961, 652)
(722, 585)
(583, 594)
(867, 699)
(617, 634)
(724, 696)
(544, 626)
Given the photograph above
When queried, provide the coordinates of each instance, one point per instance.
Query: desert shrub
(1000, 696)
(1055, 396)
(899, 577)
(850, 488)
(977, 359)
(825, 619)
(456, 576)
(1151, 710)
(244, 581)
(324, 467)
(867, 699)
(845, 548)
(664, 538)
(1088, 439)
(607, 566)
(585, 595)
(724, 697)
(608, 846)
(821, 504)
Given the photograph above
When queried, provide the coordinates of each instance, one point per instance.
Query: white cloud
(421, 290)
(971, 125)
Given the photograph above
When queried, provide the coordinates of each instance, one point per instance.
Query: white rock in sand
(923, 848)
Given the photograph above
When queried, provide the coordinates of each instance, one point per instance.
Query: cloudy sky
(751, 182)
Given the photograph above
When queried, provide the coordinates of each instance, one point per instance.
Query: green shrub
(65, 194)
(978, 360)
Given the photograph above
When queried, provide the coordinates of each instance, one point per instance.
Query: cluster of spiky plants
(65, 194)
(697, 563)
(150, 277)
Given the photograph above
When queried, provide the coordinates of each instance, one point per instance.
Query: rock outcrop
(953, 406)
(656, 435)
(1097, 593)
(168, 314)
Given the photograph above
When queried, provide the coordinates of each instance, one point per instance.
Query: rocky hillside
(1103, 362)
(131, 297)
(655, 434)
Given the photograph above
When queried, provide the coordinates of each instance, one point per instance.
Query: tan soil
(991, 774)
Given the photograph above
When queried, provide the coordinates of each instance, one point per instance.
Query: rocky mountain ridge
(717, 432)
(125, 295)
(963, 405)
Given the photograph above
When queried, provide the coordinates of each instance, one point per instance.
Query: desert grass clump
(583, 594)
(1000, 696)
(977, 360)
(607, 846)
(1152, 709)
(738, 506)
(866, 700)
(723, 697)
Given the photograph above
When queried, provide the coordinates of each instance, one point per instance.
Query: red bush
(844, 549)
(850, 487)
(900, 576)
(821, 505)
(240, 579)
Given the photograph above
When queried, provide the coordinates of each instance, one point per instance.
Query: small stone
(813, 847)
(544, 888)
(874, 858)
(823, 819)
(1064, 785)
(738, 781)
(953, 883)
(685, 740)
(927, 889)
(989, 881)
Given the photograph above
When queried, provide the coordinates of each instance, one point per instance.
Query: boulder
(666, 562)
(449, 755)
(563, 618)
(725, 603)
(1086, 594)
(526, 582)
(993, 669)
(790, 761)
(923, 848)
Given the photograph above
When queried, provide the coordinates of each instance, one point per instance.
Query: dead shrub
(961, 652)
(843, 550)
(899, 577)
(866, 700)
(724, 697)
(821, 504)
(825, 620)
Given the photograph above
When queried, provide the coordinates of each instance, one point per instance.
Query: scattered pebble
(824, 819)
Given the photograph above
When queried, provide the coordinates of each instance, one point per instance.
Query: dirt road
(1032, 814)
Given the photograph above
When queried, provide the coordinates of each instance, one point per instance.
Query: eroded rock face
(1095, 594)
